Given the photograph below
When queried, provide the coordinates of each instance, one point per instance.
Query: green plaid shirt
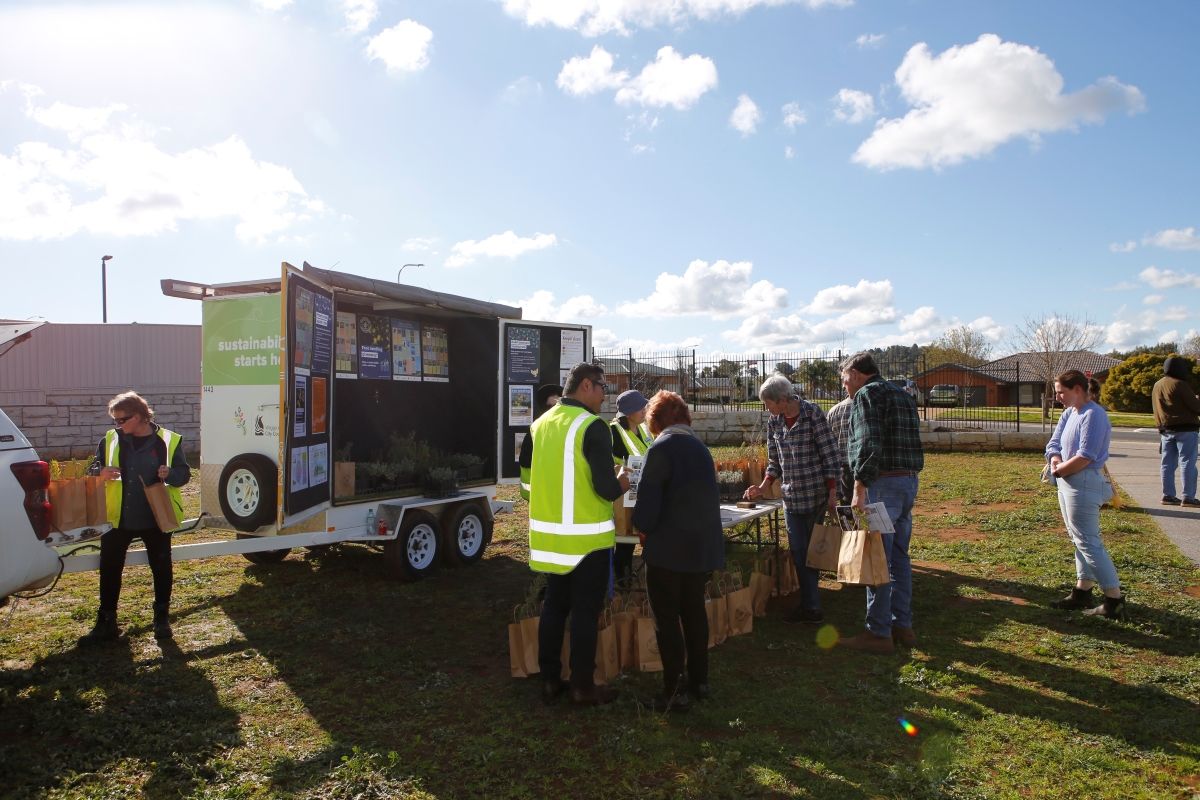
(885, 432)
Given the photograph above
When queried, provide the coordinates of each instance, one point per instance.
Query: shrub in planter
(730, 484)
(440, 482)
(466, 466)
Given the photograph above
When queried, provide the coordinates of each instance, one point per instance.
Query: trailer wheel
(413, 554)
(468, 532)
(263, 556)
(247, 491)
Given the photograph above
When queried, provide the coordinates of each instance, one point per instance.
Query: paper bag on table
(68, 503)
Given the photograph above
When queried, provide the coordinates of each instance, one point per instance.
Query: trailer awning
(388, 296)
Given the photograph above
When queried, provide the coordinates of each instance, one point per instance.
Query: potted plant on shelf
(466, 466)
(344, 484)
(440, 482)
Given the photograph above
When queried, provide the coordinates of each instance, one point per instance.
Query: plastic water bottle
(370, 521)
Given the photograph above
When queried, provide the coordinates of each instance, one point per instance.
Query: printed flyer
(520, 405)
(406, 350)
(374, 347)
(346, 364)
(524, 354)
(304, 329)
(435, 354)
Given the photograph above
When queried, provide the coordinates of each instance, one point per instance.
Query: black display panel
(308, 461)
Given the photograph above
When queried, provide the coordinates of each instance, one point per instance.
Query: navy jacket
(678, 505)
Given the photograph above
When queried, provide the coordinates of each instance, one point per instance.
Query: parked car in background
(945, 394)
(910, 388)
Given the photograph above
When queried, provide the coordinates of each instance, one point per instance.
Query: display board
(307, 464)
(534, 354)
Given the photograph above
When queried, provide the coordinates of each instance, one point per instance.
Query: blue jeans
(1179, 449)
(891, 604)
(1079, 499)
(799, 531)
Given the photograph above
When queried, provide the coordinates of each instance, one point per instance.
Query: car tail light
(34, 477)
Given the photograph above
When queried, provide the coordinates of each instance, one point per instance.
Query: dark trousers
(114, 545)
(675, 598)
(623, 561)
(580, 594)
(799, 531)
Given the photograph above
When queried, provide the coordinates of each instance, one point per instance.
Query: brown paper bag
(97, 502)
(740, 604)
(649, 659)
(343, 478)
(624, 625)
(861, 559)
(68, 503)
(761, 585)
(516, 648)
(608, 660)
(623, 517)
(529, 644)
(161, 505)
(824, 547)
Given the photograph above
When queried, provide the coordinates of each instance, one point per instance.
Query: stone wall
(70, 425)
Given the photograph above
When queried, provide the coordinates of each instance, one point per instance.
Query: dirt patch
(954, 534)
(989, 596)
(1192, 591)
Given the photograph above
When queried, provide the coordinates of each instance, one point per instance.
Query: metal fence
(952, 396)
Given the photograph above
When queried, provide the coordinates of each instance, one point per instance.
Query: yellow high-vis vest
(112, 489)
(567, 518)
(634, 445)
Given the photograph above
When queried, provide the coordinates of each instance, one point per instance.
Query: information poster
(406, 350)
(435, 354)
(346, 365)
(524, 354)
(374, 347)
(518, 443)
(299, 471)
(300, 406)
(520, 405)
(570, 346)
(302, 358)
(318, 464)
(317, 411)
(322, 334)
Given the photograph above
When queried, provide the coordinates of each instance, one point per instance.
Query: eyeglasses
(122, 420)
(603, 386)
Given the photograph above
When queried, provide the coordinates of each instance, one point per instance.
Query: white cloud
(500, 245)
(972, 98)
(922, 319)
(541, 305)
(113, 179)
(745, 116)
(1123, 247)
(843, 298)
(789, 152)
(853, 106)
(272, 5)
(1153, 299)
(419, 244)
(720, 289)
(359, 14)
(671, 80)
(583, 76)
(522, 89)
(868, 40)
(1168, 278)
(404, 47)
(1126, 334)
(651, 345)
(1172, 314)
(1174, 239)
(793, 116)
(598, 17)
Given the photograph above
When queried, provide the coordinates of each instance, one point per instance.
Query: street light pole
(104, 285)
(402, 270)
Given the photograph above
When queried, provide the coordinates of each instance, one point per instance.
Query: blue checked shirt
(804, 458)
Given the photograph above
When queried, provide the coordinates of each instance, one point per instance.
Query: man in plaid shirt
(803, 454)
(885, 456)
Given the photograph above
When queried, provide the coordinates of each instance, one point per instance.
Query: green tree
(1129, 383)
(785, 369)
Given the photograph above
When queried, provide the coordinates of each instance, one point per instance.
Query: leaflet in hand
(877, 518)
(635, 464)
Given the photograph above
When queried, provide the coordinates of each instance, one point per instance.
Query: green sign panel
(242, 342)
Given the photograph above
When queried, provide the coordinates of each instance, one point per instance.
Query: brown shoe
(868, 642)
(596, 696)
(904, 636)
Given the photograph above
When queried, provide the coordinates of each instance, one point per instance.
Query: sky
(734, 176)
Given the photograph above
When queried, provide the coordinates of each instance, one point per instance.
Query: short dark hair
(862, 361)
(666, 409)
(586, 370)
(1072, 379)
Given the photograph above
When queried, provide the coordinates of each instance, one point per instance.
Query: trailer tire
(247, 491)
(413, 554)
(263, 556)
(468, 532)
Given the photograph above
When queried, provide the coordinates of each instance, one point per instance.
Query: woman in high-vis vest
(134, 453)
(630, 437)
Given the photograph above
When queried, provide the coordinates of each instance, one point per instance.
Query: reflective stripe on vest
(567, 519)
(634, 446)
(112, 489)
(525, 482)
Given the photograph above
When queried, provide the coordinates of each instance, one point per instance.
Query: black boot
(1111, 607)
(105, 630)
(162, 623)
(1078, 598)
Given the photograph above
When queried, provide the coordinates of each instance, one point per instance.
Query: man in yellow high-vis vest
(571, 530)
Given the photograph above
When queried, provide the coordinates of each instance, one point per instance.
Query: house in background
(1012, 380)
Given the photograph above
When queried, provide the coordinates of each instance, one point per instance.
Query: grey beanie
(631, 402)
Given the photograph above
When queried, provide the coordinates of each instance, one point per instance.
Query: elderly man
(802, 452)
(571, 530)
(885, 457)
(839, 422)
(1177, 415)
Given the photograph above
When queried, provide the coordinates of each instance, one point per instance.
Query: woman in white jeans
(1077, 453)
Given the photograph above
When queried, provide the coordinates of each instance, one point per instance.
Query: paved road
(1133, 462)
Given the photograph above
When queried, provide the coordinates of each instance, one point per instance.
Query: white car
(26, 562)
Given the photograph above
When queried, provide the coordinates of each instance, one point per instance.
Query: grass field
(320, 677)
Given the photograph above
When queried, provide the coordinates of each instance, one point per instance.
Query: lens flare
(827, 637)
(908, 727)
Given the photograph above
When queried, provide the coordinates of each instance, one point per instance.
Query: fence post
(630, 386)
(1018, 396)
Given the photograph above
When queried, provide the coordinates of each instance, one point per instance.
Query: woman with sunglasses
(135, 453)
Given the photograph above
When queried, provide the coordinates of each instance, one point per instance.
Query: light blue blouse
(1086, 433)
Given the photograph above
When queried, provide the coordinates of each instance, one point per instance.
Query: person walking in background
(135, 453)
(571, 530)
(630, 437)
(802, 453)
(679, 513)
(1177, 415)
(1076, 453)
(885, 457)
